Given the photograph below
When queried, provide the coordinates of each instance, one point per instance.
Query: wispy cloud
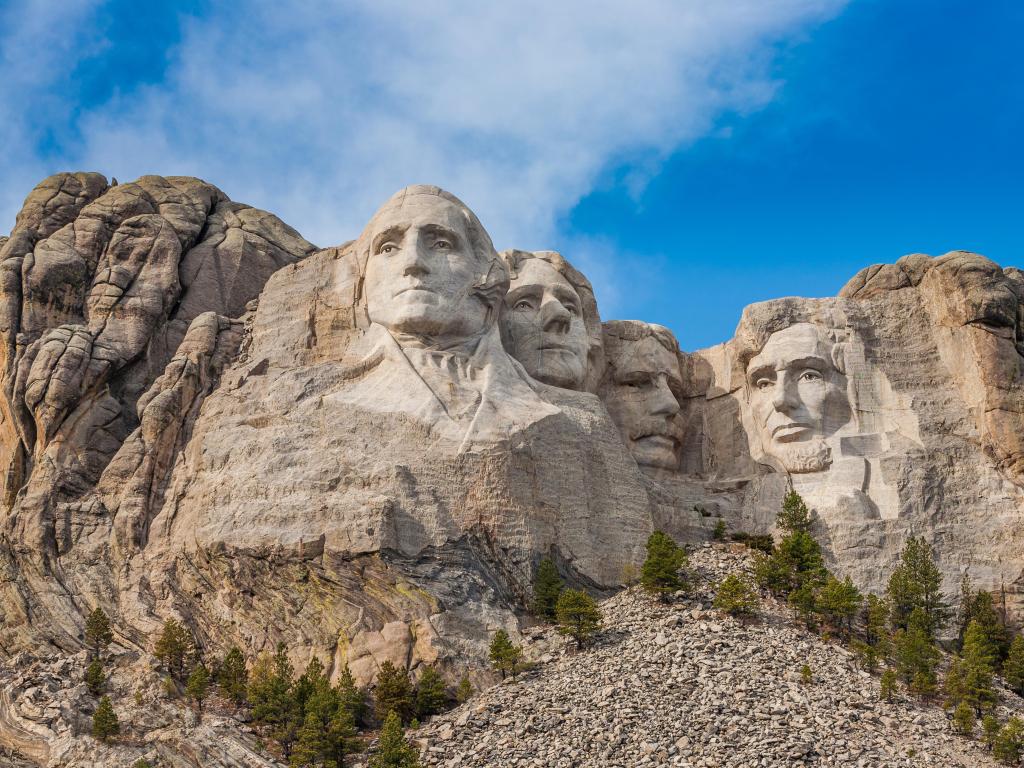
(319, 110)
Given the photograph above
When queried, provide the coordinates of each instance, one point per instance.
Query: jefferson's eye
(442, 244)
(523, 304)
(387, 248)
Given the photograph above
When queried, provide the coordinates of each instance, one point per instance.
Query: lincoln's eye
(763, 384)
(811, 376)
(442, 244)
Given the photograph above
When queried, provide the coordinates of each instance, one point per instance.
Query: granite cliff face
(366, 449)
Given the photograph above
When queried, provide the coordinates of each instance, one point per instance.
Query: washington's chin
(427, 317)
(656, 451)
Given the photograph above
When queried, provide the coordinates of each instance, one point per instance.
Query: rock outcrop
(365, 450)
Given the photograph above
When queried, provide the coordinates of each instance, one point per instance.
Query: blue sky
(690, 157)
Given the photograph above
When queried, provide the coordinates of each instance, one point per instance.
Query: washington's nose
(665, 403)
(414, 259)
(555, 317)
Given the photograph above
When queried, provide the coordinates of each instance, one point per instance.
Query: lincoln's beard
(804, 456)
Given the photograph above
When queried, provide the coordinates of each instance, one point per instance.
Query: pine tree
(351, 697)
(916, 583)
(97, 631)
(1008, 742)
(736, 596)
(327, 733)
(95, 679)
(981, 610)
(794, 516)
(104, 721)
(1013, 668)
(172, 648)
(989, 731)
(839, 602)
(963, 719)
(270, 693)
(310, 681)
(916, 656)
(393, 751)
(660, 571)
(430, 693)
(393, 692)
(464, 692)
(232, 676)
(547, 586)
(198, 686)
(977, 669)
(578, 616)
(888, 684)
(504, 655)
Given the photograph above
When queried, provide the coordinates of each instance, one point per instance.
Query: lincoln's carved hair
(494, 279)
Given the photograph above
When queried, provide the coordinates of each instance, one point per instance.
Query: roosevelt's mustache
(669, 428)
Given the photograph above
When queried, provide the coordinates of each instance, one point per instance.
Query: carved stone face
(641, 399)
(976, 291)
(796, 397)
(544, 328)
(422, 271)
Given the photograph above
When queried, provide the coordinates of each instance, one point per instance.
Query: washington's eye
(387, 248)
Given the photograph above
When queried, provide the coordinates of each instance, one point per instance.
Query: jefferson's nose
(555, 318)
(665, 403)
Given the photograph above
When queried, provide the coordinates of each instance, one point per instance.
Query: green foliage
(838, 602)
(979, 608)
(142, 763)
(977, 668)
(719, 533)
(393, 751)
(805, 675)
(1009, 741)
(351, 697)
(95, 679)
(198, 685)
(1013, 667)
(547, 586)
(794, 516)
(759, 542)
(328, 732)
(310, 681)
(232, 676)
(104, 721)
(915, 584)
(876, 645)
(887, 684)
(660, 573)
(804, 601)
(963, 719)
(916, 659)
(464, 691)
(504, 655)
(989, 730)
(430, 693)
(736, 596)
(97, 631)
(578, 616)
(270, 693)
(393, 693)
(172, 648)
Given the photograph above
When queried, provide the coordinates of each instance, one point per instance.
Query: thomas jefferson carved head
(640, 388)
(429, 268)
(796, 393)
(550, 321)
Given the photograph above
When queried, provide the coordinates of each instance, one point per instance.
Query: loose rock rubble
(678, 684)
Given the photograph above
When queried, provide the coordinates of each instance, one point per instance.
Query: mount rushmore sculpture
(365, 450)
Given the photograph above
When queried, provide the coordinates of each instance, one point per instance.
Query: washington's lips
(419, 288)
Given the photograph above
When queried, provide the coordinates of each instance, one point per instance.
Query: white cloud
(319, 110)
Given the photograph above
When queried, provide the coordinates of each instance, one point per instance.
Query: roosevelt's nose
(664, 403)
(555, 318)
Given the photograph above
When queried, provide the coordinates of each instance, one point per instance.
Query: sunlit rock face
(365, 450)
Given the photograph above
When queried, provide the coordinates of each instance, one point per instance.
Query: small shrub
(464, 692)
(578, 616)
(805, 675)
(505, 657)
(104, 721)
(719, 533)
(660, 573)
(95, 679)
(760, 542)
(963, 719)
(630, 575)
(887, 684)
(736, 596)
